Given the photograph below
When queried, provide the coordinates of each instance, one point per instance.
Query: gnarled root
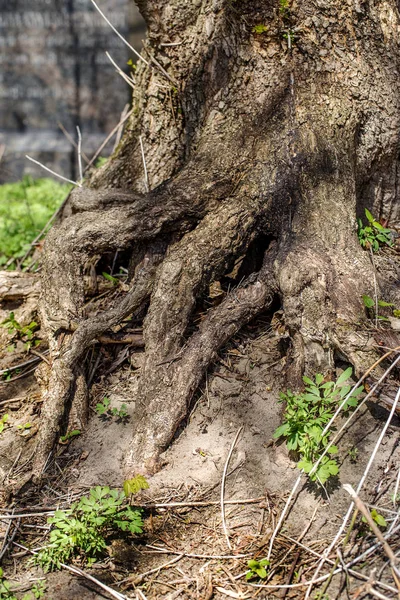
(165, 399)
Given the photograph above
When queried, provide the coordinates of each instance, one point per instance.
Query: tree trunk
(267, 127)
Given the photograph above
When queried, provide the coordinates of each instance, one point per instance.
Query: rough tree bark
(266, 125)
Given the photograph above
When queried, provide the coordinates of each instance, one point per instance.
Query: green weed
(104, 409)
(3, 422)
(68, 436)
(373, 235)
(377, 517)
(257, 568)
(82, 531)
(260, 29)
(370, 305)
(24, 333)
(306, 415)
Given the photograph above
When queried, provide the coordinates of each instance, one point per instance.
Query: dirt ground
(241, 391)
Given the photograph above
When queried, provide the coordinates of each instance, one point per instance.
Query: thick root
(170, 391)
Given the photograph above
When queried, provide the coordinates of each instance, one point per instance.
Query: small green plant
(352, 453)
(64, 439)
(370, 305)
(260, 29)
(133, 486)
(307, 414)
(284, 10)
(5, 588)
(104, 409)
(24, 333)
(377, 517)
(82, 531)
(3, 422)
(24, 426)
(38, 589)
(257, 568)
(114, 280)
(373, 235)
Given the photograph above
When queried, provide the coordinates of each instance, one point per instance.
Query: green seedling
(370, 305)
(38, 590)
(352, 453)
(104, 409)
(83, 530)
(133, 486)
(284, 10)
(24, 426)
(257, 568)
(377, 517)
(68, 436)
(260, 29)
(373, 235)
(113, 280)
(25, 333)
(3, 422)
(306, 415)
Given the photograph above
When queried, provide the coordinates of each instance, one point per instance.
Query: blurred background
(55, 76)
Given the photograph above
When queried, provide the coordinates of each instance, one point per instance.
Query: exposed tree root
(165, 397)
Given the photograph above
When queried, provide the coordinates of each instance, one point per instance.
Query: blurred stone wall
(53, 69)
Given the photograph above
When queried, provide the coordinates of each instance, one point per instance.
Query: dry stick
(140, 57)
(79, 150)
(202, 503)
(223, 486)
(139, 578)
(120, 128)
(377, 594)
(327, 427)
(363, 509)
(146, 176)
(385, 586)
(4, 545)
(120, 71)
(296, 558)
(210, 556)
(71, 140)
(20, 365)
(8, 381)
(52, 172)
(78, 571)
(109, 137)
(359, 487)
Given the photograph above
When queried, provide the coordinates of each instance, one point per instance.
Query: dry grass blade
(52, 172)
(223, 486)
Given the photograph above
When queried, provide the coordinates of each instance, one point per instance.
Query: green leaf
(344, 376)
(332, 450)
(113, 280)
(369, 216)
(368, 301)
(319, 378)
(383, 303)
(281, 431)
(132, 486)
